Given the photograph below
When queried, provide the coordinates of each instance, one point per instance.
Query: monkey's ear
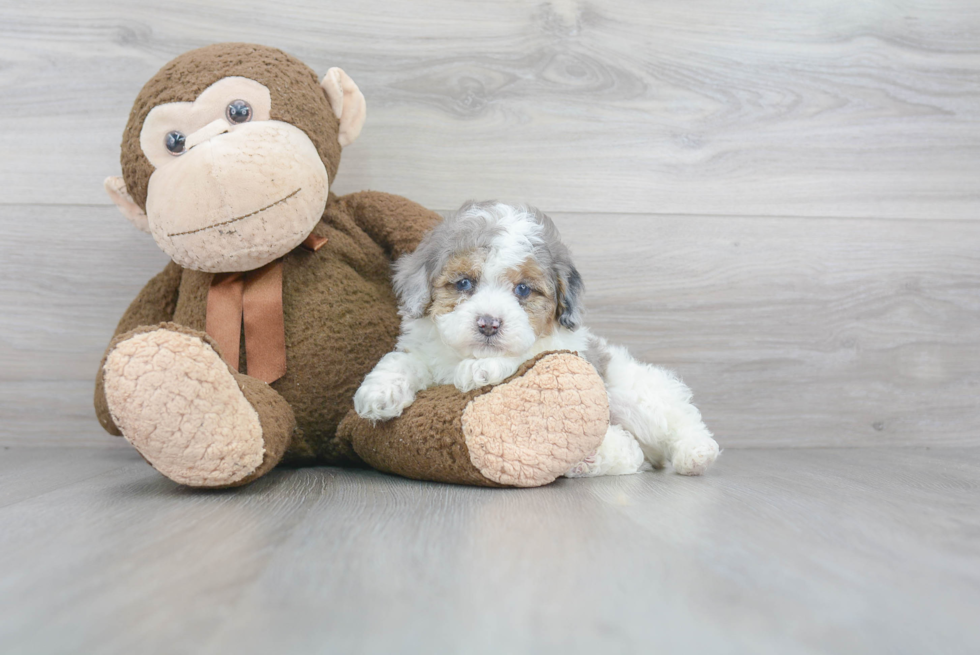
(347, 102)
(119, 195)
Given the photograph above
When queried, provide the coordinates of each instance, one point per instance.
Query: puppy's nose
(488, 325)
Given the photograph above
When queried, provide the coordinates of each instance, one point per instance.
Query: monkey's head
(229, 153)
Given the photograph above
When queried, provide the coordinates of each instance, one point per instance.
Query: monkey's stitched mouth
(240, 218)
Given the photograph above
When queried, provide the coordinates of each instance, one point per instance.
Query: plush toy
(247, 349)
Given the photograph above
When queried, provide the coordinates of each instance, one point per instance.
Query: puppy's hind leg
(619, 454)
(655, 406)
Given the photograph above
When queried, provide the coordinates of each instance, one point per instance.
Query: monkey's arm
(396, 223)
(154, 304)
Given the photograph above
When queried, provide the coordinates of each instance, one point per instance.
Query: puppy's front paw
(378, 400)
(475, 373)
(694, 456)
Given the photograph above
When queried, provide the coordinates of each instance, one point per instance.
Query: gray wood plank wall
(780, 200)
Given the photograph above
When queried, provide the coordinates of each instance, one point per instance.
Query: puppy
(492, 287)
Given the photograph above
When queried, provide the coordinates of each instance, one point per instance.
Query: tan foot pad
(179, 405)
(527, 432)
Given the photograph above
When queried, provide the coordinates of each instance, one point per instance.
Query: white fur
(653, 405)
(456, 330)
(651, 416)
(619, 454)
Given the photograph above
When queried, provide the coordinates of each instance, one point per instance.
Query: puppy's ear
(411, 282)
(568, 289)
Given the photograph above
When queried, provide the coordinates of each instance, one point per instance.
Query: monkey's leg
(190, 415)
(525, 432)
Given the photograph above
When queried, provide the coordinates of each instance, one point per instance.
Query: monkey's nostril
(488, 325)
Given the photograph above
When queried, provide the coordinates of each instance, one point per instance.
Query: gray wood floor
(775, 551)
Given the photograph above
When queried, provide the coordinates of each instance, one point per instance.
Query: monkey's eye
(522, 290)
(464, 285)
(238, 112)
(175, 142)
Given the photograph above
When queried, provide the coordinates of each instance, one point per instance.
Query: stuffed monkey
(247, 349)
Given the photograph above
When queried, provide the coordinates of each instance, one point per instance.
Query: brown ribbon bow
(255, 296)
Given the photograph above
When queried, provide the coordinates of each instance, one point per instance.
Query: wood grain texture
(797, 332)
(679, 145)
(774, 551)
(817, 108)
(791, 332)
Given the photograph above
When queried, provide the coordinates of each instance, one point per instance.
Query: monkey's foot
(535, 427)
(181, 407)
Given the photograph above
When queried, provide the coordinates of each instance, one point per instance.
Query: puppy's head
(494, 278)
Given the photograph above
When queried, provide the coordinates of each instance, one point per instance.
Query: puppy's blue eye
(522, 290)
(464, 285)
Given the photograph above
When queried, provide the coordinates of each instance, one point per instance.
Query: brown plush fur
(340, 312)
(277, 419)
(297, 98)
(427, 442)
(339, 309)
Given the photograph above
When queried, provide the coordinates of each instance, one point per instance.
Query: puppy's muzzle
(488, 325)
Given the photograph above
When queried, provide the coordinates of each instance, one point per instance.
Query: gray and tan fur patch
(541, 304)
(423, 283)
(444, 294)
